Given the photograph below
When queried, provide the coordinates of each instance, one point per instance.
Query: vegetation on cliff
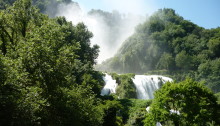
(170, 45)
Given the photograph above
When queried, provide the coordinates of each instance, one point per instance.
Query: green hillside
(167, 44)
(49, 7)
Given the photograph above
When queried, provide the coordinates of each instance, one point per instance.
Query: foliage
(5, 3)
(166, 41)
(191, 102)
(137, 112)
(125, 88)
(46, 75)
(166, 62)
(111, 109)
(133, 111)
(218, 97)
(78, 106)
(210, 71)
(49, 7)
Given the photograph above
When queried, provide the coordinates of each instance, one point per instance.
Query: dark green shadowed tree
(46, 75)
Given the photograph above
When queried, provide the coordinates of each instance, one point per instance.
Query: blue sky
(205, 13)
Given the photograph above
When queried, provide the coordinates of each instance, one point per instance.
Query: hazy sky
(205, 13)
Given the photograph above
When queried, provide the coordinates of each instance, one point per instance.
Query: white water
(110, 85)
(146, 85)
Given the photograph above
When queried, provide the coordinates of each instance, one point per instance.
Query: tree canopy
(185, 103)
(47, 75)
(49, 7)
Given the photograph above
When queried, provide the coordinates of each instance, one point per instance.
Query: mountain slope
(168, 42)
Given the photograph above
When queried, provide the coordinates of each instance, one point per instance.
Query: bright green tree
(191, 102)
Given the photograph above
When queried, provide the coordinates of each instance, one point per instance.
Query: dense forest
(47, 74)
(46, 69)
(167, 44)
(49, 7)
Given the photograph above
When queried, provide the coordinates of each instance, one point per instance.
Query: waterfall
(110, 85)
(147, 84)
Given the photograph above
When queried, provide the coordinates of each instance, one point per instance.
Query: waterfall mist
(110, 85)
(110, 29)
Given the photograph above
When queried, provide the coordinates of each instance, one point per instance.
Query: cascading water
(110, 85)
(147, 84)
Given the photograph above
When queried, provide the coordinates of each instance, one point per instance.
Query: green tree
(183, 61)
(136, 111)
(46, 75)
(191, 102)
(125, 88)
(209, 72)
(111, 109)
(166, 62)
(5, 3)
(214, 46)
